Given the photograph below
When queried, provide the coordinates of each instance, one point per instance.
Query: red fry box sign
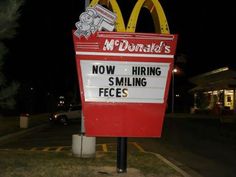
(124, 80)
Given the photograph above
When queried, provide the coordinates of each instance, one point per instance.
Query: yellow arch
(155, 8)
(158, 16)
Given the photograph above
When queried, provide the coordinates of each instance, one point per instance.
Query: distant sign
(131, 82)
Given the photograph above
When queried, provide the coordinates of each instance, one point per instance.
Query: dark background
(41, 56)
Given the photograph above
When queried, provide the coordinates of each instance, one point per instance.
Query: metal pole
(173, 92)
(121, 155)
(234, 99)
(86, 4)
(82, 128)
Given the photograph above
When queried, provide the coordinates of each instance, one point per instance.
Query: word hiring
(118, 84)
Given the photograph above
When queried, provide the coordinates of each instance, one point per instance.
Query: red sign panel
(124, 80)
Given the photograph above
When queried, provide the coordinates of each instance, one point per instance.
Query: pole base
(121, 164)
(120, 170)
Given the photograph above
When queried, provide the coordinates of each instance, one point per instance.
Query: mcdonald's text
(125, 45)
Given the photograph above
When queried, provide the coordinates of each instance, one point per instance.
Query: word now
(100, 69)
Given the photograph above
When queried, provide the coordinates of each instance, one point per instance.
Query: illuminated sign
(131, 82)
(124, 77)
(118, 44)
(124, 81)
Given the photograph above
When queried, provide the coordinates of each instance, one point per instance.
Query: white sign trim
(125, 54)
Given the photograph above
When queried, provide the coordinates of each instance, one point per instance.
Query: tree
(9, 13)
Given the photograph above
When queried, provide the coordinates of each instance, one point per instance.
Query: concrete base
(83, 146)
(24, 122)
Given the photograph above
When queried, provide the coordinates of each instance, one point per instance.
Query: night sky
(42, 53)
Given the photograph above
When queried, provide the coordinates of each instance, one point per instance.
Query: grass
(12, 124)
(45, 164)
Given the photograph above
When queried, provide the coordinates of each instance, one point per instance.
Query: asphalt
(5, 138)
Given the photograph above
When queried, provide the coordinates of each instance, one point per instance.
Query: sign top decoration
(95, 19)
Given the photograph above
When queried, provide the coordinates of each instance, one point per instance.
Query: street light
(173, 90)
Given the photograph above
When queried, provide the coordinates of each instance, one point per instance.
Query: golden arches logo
(154, 7)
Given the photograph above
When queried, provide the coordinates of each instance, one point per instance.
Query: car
(65, 114)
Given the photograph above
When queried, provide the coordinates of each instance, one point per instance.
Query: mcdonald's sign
(124, 76)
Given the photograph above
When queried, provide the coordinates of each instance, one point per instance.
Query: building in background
(215, 92)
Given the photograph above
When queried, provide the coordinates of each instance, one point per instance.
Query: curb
(6, 138)
(182, 172)
(172, 165)
(159, 156)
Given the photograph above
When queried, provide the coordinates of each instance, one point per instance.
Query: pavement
(5, 138)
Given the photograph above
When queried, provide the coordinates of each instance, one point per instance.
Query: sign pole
(121, 155)
(173, 92)
(86, 4)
